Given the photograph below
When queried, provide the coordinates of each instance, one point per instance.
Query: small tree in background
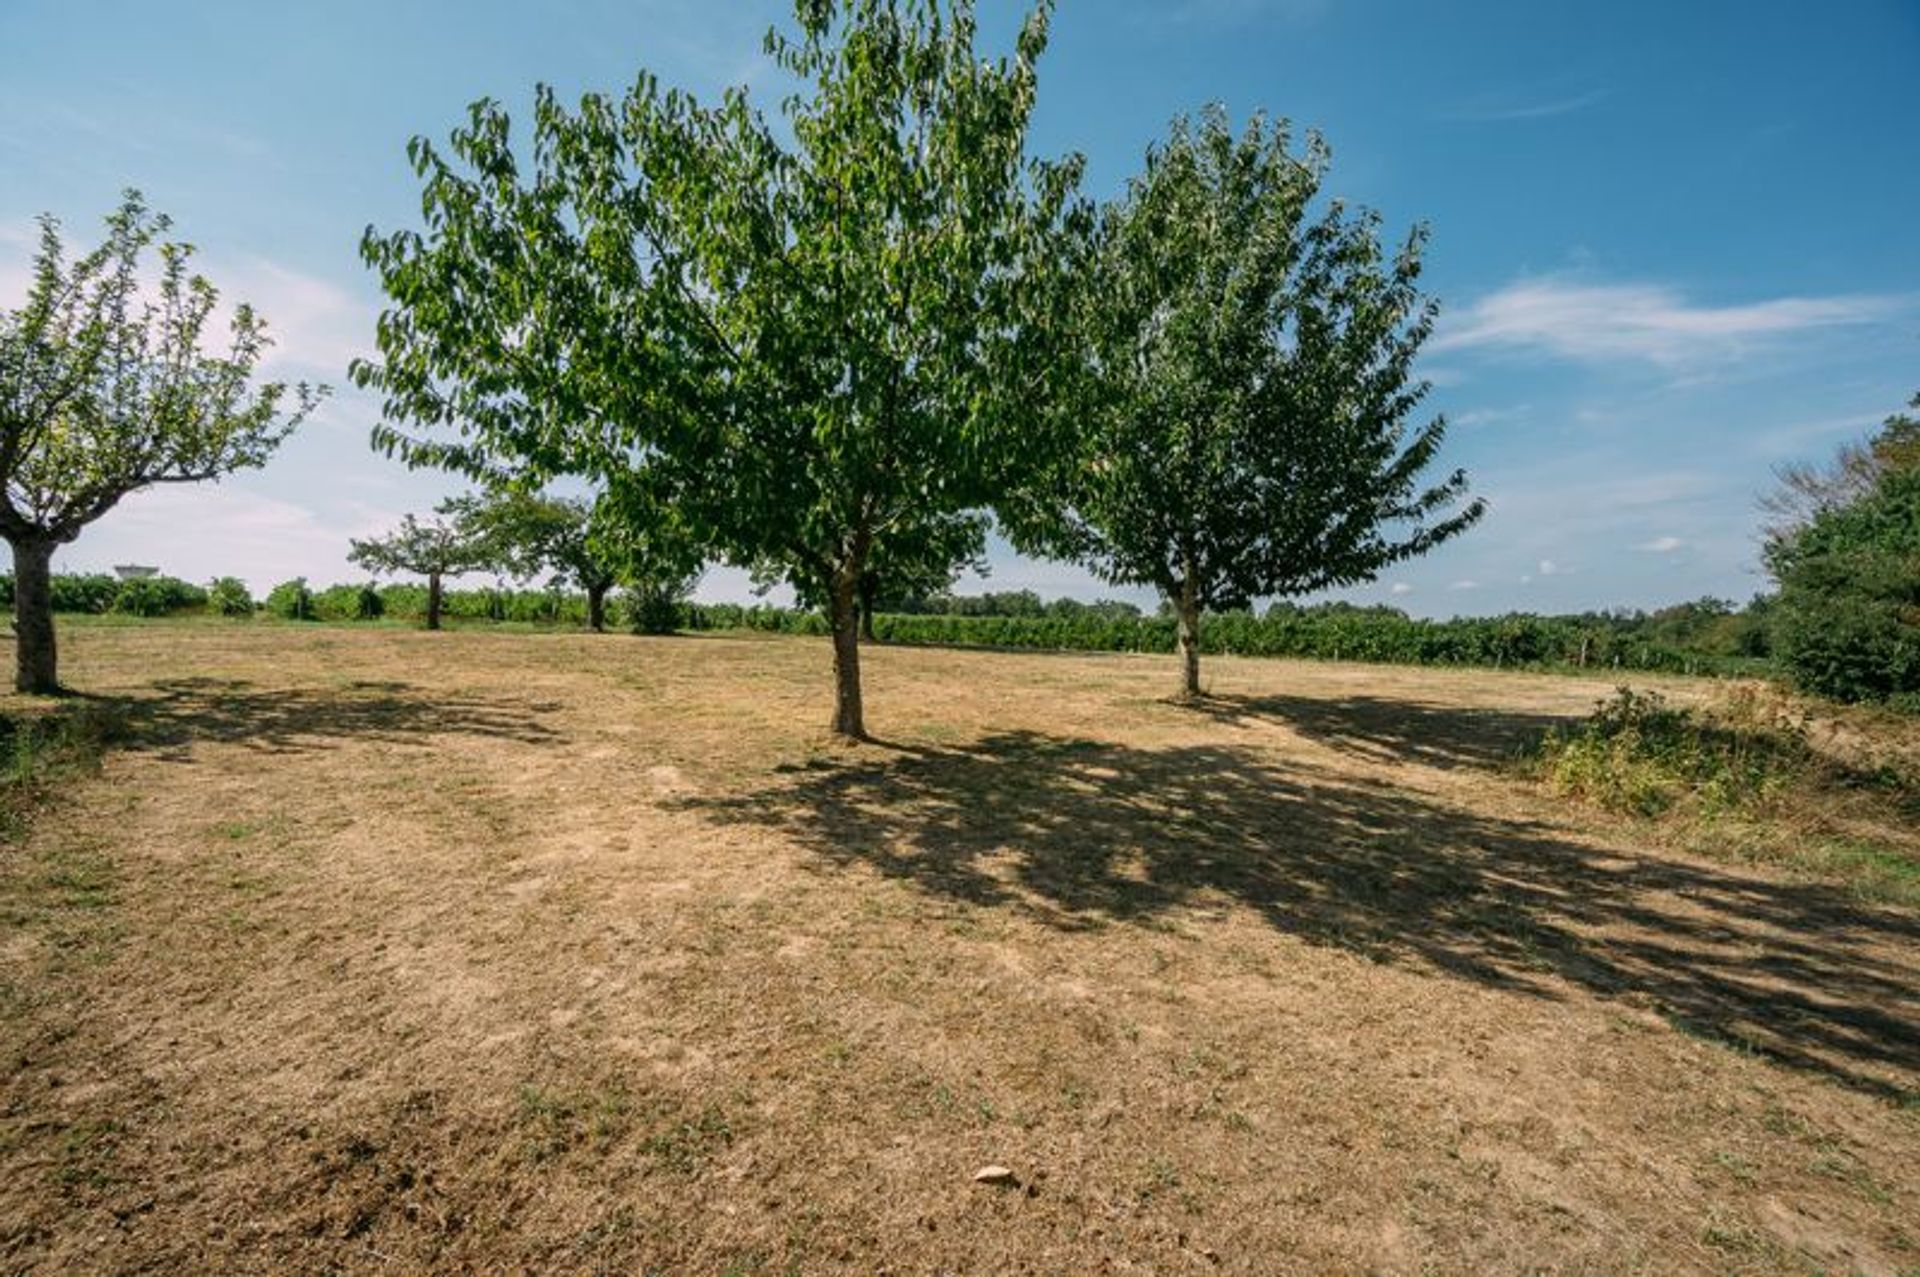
(107, 388)
(1249, 365)
(451, 542)
(534, 534)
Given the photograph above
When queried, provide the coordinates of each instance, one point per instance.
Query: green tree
(1805, 491)
(1250, 364)
(1846, 622)
(107, 387)
(453, 541)
(532, 534)
(805, 338)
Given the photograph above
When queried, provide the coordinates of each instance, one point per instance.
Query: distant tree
(532, 534)
(1250, 358)
(1804, 490)
(808, 336)
(451, 542)
(106, 387)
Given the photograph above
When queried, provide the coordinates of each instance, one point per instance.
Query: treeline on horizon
(1707, 636)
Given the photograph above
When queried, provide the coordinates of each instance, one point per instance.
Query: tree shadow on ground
(1388, 730)
(179, 713)
(1078, 833)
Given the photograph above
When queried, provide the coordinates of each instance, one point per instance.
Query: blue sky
(1673, 241)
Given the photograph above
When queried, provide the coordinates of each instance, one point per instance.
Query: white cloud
(1539, 109)
(1464, 585)
(315, 323)
(1549, 568)
(1661, 545)
(1563, 316)
(317, 326)
(1400, 587)
(203, 530)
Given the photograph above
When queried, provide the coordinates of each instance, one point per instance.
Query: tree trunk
(868, 588)
(843, 612)
(37, 670)
(597, 608)
(433, 600)
(1188, 610)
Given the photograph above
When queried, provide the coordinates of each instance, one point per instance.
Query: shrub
(1847, 620)
(651, 611)
(1639, 754)
(228, 596)
(156, 596)
(291, 600)
(348, 603)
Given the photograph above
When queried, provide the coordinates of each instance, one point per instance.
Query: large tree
(454, 539)
(805, 336)
(1249, 357)
(109, 384)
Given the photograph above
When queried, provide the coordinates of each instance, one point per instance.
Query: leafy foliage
(1847, 619)
(105, 390)
(291, 600)
(1742, 776)
(157, 596)
(1251, 358)
(809, 340)
(348, 603)
(228, 596)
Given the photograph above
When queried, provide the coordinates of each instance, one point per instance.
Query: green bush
(156, 596)
(228, 596)
(291, 600)
(1639, 754)
(651, 611)
(1847, 620)
(348, 603)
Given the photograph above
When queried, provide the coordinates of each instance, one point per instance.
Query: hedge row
(1337, 633)
(97, 592)
(1332, 633)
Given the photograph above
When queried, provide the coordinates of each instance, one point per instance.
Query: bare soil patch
(381, 951)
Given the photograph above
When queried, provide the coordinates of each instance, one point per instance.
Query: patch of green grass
(686, 1146)
(39, 752)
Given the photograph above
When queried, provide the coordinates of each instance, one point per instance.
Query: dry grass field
(378, 951)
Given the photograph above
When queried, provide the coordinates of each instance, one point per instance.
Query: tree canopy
(1249, 354)
(1847, 619)
(454, 540)
(109, 383)
(809, 339)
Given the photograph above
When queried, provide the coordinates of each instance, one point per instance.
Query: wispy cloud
(1660, 545)
(317, 325)
(1563, 316)
(1399, 588)
(1534, 109)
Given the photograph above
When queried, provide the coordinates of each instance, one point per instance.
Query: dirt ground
(381, 951)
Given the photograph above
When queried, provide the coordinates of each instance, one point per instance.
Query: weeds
(1742, 778)
(37, 752)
